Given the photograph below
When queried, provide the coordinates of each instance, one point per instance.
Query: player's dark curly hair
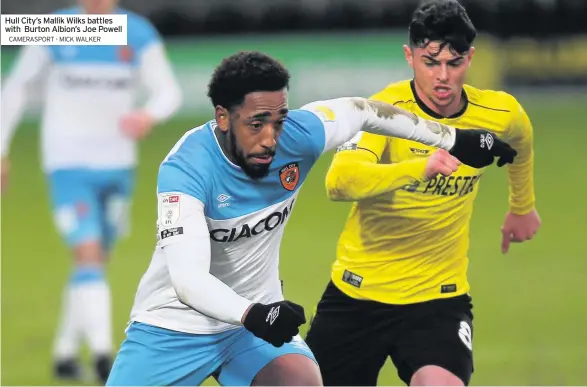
(243, 73)
(446, 21)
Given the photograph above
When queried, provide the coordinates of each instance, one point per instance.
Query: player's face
(98, 6)
(439, 74)
(254, 129)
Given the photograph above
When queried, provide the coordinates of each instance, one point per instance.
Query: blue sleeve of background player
(141, 32)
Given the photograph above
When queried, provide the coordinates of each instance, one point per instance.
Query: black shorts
(352, 338)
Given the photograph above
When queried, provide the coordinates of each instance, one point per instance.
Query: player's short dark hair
(243, 73)
(446, 21)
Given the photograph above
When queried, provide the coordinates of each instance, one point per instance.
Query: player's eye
(256, 125)
(455, 64)
(430, 64)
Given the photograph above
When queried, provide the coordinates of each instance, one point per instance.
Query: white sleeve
(30, 63)
(185, 240)
(157, 75)
(344, 117)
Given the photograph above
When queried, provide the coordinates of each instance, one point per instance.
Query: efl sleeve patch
(170, 222)
(169, 209)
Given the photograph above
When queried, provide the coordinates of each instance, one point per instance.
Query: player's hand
(5, 173)
(519, 228)
(275, 323)
(441, 162)
(478, 148)
(137, 125)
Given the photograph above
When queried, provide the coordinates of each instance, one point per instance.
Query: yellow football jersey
(406, 239)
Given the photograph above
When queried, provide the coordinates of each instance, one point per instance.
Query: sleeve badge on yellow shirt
(420, 152)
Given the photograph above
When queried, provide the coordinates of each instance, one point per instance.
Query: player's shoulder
(493, 100)
(303, 118)
(192, 153)
(303, 131)
(141, 32)
(190, 164)
(137, 21)
(193, 141)
(395, 92)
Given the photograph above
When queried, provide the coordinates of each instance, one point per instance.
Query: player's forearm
(354, 177)
(200, 290)
(385, 119)
(165, 93)
(164, 103)
(521, 182)
(521, 172)
(186, 247)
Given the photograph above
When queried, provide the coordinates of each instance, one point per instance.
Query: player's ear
(409, 56)
(470, 55)
(222, 118)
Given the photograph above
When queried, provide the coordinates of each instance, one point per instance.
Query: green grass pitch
(530, 305)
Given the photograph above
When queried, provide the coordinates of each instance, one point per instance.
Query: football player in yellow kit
(399, 283)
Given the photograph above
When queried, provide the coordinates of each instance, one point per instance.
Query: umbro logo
(272, 315)
(466, 335)
(222, 198)
(487, 140)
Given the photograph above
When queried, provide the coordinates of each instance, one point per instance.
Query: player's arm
(355, 172)
(186, 247)
(521, 172)
(185, 241)
(29, 65)
(342, 118)
(157, 75)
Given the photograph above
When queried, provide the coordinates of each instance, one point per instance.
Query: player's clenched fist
(275, 323)
(441, 162)
(478, 148)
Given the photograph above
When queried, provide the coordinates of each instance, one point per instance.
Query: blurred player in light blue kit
(90, 127)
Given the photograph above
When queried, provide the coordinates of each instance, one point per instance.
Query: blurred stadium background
(530, 306)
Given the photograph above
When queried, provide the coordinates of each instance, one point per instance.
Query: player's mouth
(264, 159)
(442, 92)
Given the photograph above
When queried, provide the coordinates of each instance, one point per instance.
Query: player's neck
(453, 110)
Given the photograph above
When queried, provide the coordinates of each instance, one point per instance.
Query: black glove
(275, 323)
(478, 147)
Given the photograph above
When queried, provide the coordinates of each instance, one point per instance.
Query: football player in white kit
(90, 126)
(211, 303)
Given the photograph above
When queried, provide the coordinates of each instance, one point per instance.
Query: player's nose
(443, 73)
(268, 137)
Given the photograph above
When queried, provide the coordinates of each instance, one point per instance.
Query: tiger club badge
(289, 176)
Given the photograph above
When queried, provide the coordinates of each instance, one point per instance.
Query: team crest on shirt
(125, 53)
(289, 176)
